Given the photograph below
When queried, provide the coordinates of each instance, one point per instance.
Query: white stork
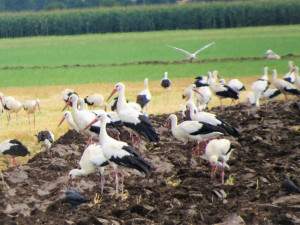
(30, 106)
(285, 87)
(165, 82)
(68, 117)
(82, 118)
(191, 56)
(46, 138)
(119, 154)
(144, 97)
(96, 100)
(66, 93)
(133, 119)
(11, 105)
(14, 148)
(221, 90)
(212, 119)
(92, 159)
(237, 86)
(203, 97)
(218, 152)
(260, 86)
(193, 131)
(201, 81)
(290, 76)
(271, 55)
(189, 94)
(297, 78)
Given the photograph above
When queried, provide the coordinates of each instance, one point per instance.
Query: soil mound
(179, 190)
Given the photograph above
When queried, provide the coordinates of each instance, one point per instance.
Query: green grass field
(37, 61)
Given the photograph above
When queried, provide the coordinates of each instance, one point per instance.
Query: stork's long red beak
(112, 93)
(91, 123)
(62, 120)
(67, 104)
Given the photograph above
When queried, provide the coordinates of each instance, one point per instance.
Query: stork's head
(72, 99)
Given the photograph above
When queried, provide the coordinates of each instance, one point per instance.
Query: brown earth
(179, 190)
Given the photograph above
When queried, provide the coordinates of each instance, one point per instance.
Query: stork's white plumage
(297, 78)
(193, 131)
(14, 148)
(212, 119)
(191, 56)
(269, 94)
(91, 160)
(131, 118)
(31, 106)
(46, 138)
(68, 117)
(203, 98)
(237, 86)
(144, 97)
(96, 100)
(290, 76)
(188, 93)
(260, 86)
(165, 82)
(218, 152)
(285, 87)
(119, 154)
(82, 118)
(221, 90)
(11, 105)
(271, 55)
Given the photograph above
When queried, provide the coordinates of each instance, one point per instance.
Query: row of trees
(150, 18)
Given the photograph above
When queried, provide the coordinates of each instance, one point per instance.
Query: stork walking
(11, 105)
(31, 106)
(144, 97)
(14, 148)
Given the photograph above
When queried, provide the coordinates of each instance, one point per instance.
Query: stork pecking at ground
(92, 159)
(14, 148)
(45, 138)
(285, 87)
(31, 106)
(144, 97)
(193, 131)
(218, 152)
(96, 100)
(119, 154)
(133, 119)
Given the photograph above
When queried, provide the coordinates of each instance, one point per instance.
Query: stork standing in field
(297, 78)
(144, 97)
(191, 56)
(189, 94)
(260, 86)
(221, 90)
(165, 82)
(82, 118)
(46, 138)
(290, 76)
(285, 87)
(30, 107)
(96, 100)
(14, 148)
(133, 119)
(68, 117)
(92, 159)
(237, 86)
(119, 154)
(11, 105)
(203, 97)
(212, 119)
(218, 152)
(193, 131)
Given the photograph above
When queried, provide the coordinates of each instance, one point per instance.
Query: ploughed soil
(179, 190)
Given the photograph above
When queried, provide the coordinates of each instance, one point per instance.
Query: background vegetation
(150, 18)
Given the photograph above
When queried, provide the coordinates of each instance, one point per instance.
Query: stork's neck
(166, 75)
(274, 75)
(146, 83)
(103, 134)
(191, 94)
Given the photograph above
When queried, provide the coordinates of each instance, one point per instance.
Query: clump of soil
(179, 190)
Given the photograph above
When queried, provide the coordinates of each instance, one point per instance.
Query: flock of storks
(101, 127)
